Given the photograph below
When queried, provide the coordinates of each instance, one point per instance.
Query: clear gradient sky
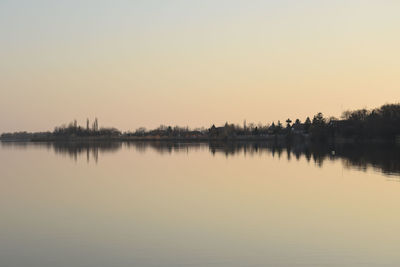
(146, 63)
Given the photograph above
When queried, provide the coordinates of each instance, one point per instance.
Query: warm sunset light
(211, 133)
(146, 63)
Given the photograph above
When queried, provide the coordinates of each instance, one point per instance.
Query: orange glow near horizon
(146, 64)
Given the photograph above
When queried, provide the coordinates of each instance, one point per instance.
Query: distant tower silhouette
(87, 124)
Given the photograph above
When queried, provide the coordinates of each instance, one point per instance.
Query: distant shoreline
(140, 138)
(283, 139)
(379, 125)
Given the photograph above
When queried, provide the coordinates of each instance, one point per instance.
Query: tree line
(73, 129)
(381, 123)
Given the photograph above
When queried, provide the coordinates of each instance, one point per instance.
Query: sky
(193, 63)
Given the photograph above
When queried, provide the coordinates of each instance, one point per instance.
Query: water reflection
(72, 149)
(382, 158)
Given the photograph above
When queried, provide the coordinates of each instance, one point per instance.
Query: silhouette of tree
(318, 120)
(307, 125)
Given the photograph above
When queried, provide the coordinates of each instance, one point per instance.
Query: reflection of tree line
(74, 149)
(385, 158)
(71, 149)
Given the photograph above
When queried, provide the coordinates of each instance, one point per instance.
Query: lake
(208, 205)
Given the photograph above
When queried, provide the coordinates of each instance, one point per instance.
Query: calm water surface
(197, 205)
